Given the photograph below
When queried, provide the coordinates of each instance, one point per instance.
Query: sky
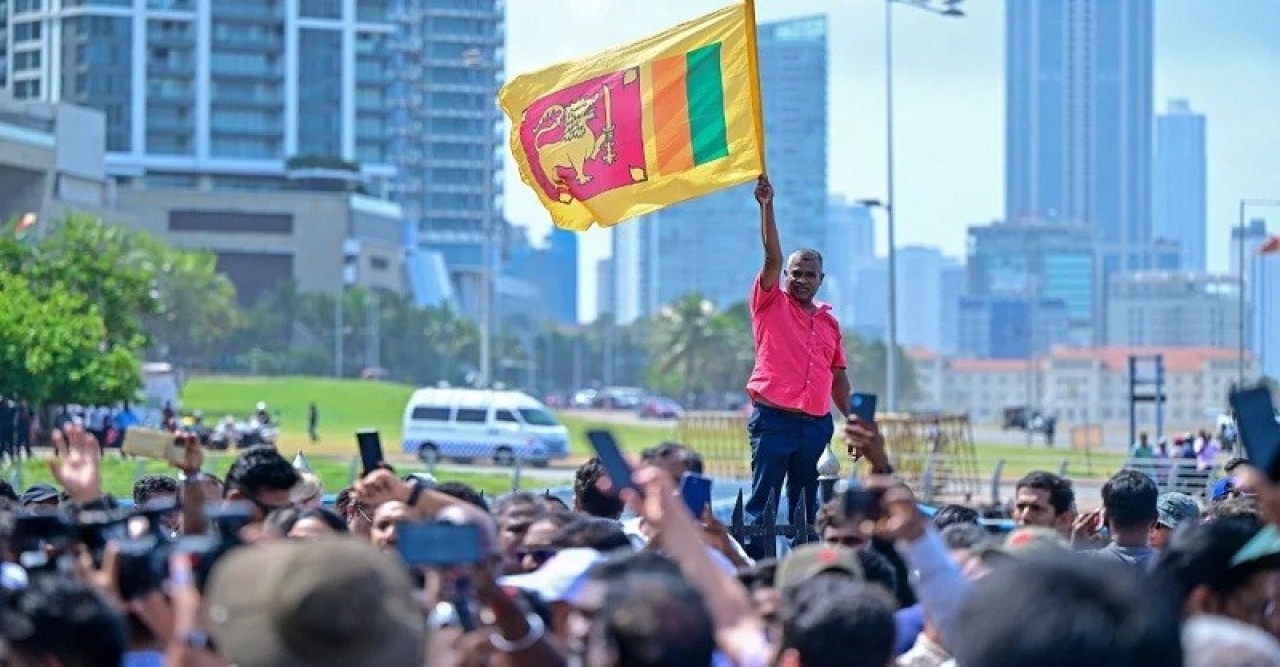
(1222, 55)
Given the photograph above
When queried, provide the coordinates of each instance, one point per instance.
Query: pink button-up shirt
(795, 351)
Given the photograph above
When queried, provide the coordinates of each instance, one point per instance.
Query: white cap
(560, 577)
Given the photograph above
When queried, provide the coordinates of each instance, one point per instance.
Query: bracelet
(536, 630)
(416, 493)
(194, 478)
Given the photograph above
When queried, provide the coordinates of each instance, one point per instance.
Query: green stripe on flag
(707, 133)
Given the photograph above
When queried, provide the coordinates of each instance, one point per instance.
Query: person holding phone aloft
(799, 368)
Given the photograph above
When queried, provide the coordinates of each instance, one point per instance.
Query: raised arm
(768, 235)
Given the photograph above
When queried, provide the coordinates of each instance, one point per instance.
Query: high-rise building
(920, 297)
(953, 282)
(870, 298)
(635, 272)
(1048, 260)
(553, 268)
(850, 242)
(605, 291)
(1010, 327)
(1078, 119)
(447, 142)
(1178, 206)
(708, 244)
(226, 95)
(1262, 285)
(1173, 308)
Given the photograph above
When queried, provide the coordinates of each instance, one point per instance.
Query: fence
(934, 454)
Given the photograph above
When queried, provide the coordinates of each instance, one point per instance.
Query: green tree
(868, 369)
(697, 348)
(197, 307)
(54, 347)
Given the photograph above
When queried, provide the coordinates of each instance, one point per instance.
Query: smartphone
(150, 443)
(439, 544)
(696, 491)
(857, 501)
(370, 443)
(1255, 417)
(611, 458)
(863, 406)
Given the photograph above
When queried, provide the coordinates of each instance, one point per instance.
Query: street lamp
(949, 8)
(475, 58)
(1241, 232)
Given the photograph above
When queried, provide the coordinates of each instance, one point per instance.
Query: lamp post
(477, 59)
(951, 9)
(1241, 232)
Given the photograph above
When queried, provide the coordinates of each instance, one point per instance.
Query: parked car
(658, 407)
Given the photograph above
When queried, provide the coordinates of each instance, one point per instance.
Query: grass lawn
(119, 474)
(1021, 460)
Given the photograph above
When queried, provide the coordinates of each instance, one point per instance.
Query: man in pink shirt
(799, 369)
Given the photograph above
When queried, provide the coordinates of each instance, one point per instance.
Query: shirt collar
(821, 305)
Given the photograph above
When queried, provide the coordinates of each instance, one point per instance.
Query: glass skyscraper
(1178, 207)
(212, 94)
(1078, 117)
(711, 245)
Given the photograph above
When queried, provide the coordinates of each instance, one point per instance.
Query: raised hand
(78, 464)
(192, 454)
(764, 191)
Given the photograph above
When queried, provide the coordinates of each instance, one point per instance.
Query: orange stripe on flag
(1271, 245)
(671, 115)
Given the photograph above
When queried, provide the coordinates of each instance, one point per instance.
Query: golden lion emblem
(578, 143)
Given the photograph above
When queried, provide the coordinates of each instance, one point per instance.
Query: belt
(789, 412)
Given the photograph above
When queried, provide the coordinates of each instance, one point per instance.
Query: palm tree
(686, 340)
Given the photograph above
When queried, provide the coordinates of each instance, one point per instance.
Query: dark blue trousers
(785, 445)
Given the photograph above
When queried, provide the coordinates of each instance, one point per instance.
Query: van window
(471, 416)
(506, 416)
(537, 417)
(424, 413)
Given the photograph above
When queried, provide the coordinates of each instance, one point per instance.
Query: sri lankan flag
(643, 126)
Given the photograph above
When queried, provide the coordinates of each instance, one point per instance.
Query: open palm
(78, 466)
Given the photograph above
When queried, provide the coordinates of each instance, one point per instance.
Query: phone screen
(370, 443)
(1255, 416)
(611, 458)
(696, 491)
(439, 544)
(863, 406)
(152, 444)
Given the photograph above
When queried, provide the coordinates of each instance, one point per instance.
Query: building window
(23, 60)
(26, 31)
(26, 90)
(22, 6)
(379, 263)
(322, 9)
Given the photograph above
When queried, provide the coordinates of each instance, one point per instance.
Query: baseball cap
(809, 560)
(559, 578)
(39, 493)
(1223, 488)
(328, 602)
(1175, 508)
(1032, 541)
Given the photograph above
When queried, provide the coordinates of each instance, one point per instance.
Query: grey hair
(808, 253)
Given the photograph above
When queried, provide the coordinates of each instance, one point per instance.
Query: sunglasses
(538, 556)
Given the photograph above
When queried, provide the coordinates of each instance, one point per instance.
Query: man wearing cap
(40, 497)
(1173, 509)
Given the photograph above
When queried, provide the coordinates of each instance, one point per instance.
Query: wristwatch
(194, 478)
(198, 639)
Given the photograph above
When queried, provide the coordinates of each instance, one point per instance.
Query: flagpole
(753, 58)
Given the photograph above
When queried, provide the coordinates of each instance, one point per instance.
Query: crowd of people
(254, 569)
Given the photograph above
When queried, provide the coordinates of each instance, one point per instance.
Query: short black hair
(623, 564)
(876, 569)
(260, 468)
(59, 617)
(838, 622)
(558, 518)
(1233, 463)
(516, 498)
(463, 492)
(654, 620)
(1129, 498)
(283, 520)
(964, 536)
(759, 575)
(1058, 610)
(7, 492)
(1240, 507)
(150, 486)
(589, 497)
(1061, 495)
(591, 532)
(948, 515)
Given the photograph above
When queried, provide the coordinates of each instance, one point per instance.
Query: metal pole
(891, 352)
(337, 332)
(1240, 247)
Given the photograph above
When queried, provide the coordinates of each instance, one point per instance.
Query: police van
(469, 424)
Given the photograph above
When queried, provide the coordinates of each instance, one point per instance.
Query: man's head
(1044, 499)
(948, 515)
(833, 529)
(261, 476)
(153, 487)
(1174, 509)
(515, 513)
(1057, 610)
(385, 530)
(1129, 499)
(592, 533)
(587, 496)
(804, 274)
(59, 622)
(1225, 568)
(675, 459)
(40, 497)
(830, 622)
(465, 493)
